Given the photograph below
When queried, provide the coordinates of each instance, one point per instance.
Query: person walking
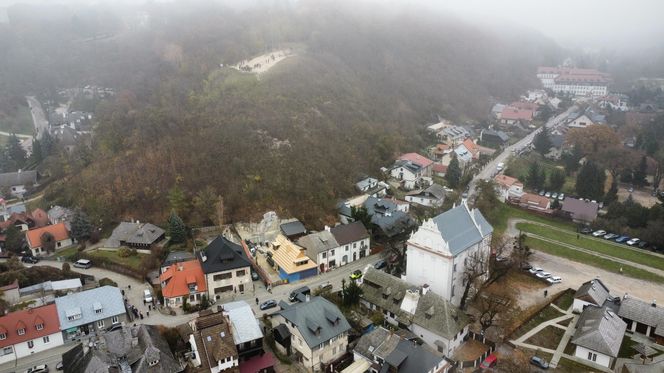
(256, 301)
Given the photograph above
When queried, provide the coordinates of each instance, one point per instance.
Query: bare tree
(520, 252)
(476, 266)
(48, 242)
(492, 305)
(499, 266)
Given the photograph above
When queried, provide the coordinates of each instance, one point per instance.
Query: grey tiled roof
(317, 313)
(318, 242)
(593, 291)
(244, 322)
(642, 312)
(411, 357)
(348, 233)
(222, 255)
(379, 342)
(599, 329)
(580, 209)
(10, 179)
(109, 297)
(432, 312)
(384, 214)
(293, 228)
(134, 233)
(177, 257)
(461, 227)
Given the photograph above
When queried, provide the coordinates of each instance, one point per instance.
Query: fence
(533, 312)
(475, 363)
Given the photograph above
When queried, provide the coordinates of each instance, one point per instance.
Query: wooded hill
(359, 91)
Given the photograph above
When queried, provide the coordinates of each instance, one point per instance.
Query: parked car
(610, 236)
(554, 195)
(489, 362)
(643, 244)
(599, 233)
(547, 194)
(526, 266)
(633, 241)
(356, 274)
(83, 263)
(268, 304)
(59, 366)
(254, 275)
(586, 230)
(534, 270)
(622, 239)
(542, 192)
(554, 280)
(147, 296)
(543, 275)
(114, 327)
(539, 362)
(561, 196)
(30, 259)
(325, 286)
(380, 264)
(38, 369)
(302, 290)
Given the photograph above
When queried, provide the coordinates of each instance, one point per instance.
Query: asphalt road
(490, 169)
(38, 116)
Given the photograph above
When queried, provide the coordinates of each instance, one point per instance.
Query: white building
(440, 249)
(338, 246)
(30, 331)
(433, 196)
(598, 336)
(227, 268)
(408, 173)
(508, 187)
(590, 293)
(18, 182)
(579, 82)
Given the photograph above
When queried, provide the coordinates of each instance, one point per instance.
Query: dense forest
(358, 91)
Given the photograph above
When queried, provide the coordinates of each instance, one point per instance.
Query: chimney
(327, 228)
(425, 289)
(654, 303)
(307, 298)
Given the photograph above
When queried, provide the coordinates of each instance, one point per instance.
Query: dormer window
(39, 326)
(97, 307)
(3, 336)
(21, 331)
(153, 363)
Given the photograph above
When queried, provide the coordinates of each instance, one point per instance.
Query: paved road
(488, 171)
(38, 116)
(17, 135)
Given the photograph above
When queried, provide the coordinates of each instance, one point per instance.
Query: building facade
(90, 311)
(227, 268)
(30, 331)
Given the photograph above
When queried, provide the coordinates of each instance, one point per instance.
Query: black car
(114, 327)
(268, 304)
(380, 264)
(30, 259)
(643, 244)
(586, 230)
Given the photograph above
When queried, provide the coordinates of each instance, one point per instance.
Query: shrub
(124, 252)
(107, 281)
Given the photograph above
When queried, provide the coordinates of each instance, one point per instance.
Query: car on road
(302, 290)
(554, 280)
(254, 275)
(599, 233)
(325, 286)
(59, 366)
(380, 264)
(539, 362)
(622, 239)
(633, 241)
(534, 270)
(147, 296)
(543, 275)
(500, 166)
(38, 369)
(114, 327)
(268, 304)
(586, 230)
(356, 274)
(561, 196)
(83, 263)
(610, 236)
(30, 259)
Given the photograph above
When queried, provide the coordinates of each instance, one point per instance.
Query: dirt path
(263, 62)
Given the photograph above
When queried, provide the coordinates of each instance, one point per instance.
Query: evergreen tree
(534, 179)
(453, 174)
(556, 179)
(612, 194)
(36, 156)
(47, 144)
(639, 175)
(351, 294)
(542, 142)
(177, 199)
(176, 228)
(590, 181)
(15, 151)
(80, 226)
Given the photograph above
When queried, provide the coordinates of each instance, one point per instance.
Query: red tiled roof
(512, 113)
(472, 147)
(29, 319)
(535, 200)
(178, 277)
(59, 232)
(420, 160)
(439, 168)
(524, 105)
(506, 181)
(257, 363)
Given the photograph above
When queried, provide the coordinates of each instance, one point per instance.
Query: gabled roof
(580, 209)
(535, 200)
(180, 276)
(59, 232)
(499, 134)
(177, 257)
(642, 312)
(417, 159)
(462, 227)
(293, 228)
(317, 316)
(222, 255)
(244, 322)
(432, 312)
(318, 242)
(434, 191)
(463, 153)
(593, 291)
(214, 339)
(507, 181)
(134, 233)
(28, 319)
(290, 257)
(109, 297)
(385, 214)
(379, 342)
(512, 113)
(410, 357)
(10, 179)
(599, 329)
(348, 233)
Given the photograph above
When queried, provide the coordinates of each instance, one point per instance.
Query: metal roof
(244, 322)
(312, 314)
(461, 227)
(79, 303)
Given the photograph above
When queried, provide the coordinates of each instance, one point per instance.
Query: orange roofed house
(55, 235)
(508, 187)
(184, 280)
(23, 333)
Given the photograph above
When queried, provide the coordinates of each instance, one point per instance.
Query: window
(223, 276)
(46, 339)
(240, 273)
(100, 323)
(592, 356)
(7, 350)
(31, 344)
(3, 336)
(153, 363)
(354, 245)
(192, 298)
(454, 268)
(21, 331)
(40, 326)
(331, 252)
(324, 254)
(452, 290)
(115, 320)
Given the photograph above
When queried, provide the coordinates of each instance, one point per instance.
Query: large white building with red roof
(23, 333)
(579, 82)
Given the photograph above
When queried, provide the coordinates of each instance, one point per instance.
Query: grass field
(507, 212)
(546, 314)
(130, 261)
(20, 123)
(548, 337)
(598, 245)
(592, 260)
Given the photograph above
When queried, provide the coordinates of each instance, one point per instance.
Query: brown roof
(512, 113)
(535, 200)
(347, 233)
(580, 209)
(506, 181)
(418, 159)
(214, 338)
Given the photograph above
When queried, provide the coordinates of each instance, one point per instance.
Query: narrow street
(38, 117)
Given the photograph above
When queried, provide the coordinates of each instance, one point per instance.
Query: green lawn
(507, 212)
(548, 337)
(565, 300)
(593, 260)
(130, 261)
(68, 252)
(546, 314)
(20, 123)
(598, 245)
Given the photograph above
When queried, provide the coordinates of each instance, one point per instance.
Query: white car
(599, 233)
(633, 241)
(543, 275)
(535, 270)
(554, 280)
(147, 296)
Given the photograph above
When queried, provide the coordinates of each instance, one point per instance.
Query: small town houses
(226, 267)
(25, 332)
